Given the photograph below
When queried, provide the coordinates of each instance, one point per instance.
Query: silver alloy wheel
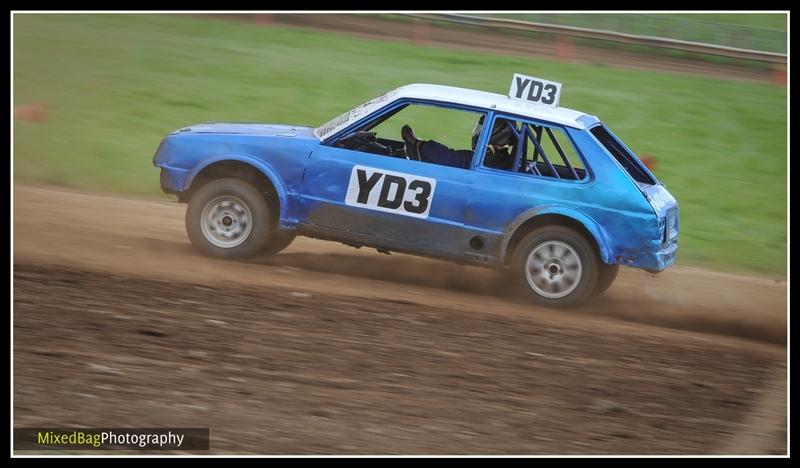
(553, 269)
(226, 222)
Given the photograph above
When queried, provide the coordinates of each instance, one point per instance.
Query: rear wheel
(605, 278)
(228, 218)
(556, 266)
(277, 241)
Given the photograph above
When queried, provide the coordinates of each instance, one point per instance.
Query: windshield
(342, 121)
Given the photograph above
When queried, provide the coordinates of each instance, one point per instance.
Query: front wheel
(228, 218)
(557, 266)
(605, 278)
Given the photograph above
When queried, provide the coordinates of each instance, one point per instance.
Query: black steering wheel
(363, 141)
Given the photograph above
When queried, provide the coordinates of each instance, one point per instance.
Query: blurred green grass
(114, 85)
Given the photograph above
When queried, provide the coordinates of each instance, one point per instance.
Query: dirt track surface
(327, 349)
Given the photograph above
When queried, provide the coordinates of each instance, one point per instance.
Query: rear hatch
(664, 204)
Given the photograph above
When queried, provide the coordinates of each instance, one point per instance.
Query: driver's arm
(434, 152)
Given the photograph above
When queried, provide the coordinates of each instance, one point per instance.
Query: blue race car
(547, 192)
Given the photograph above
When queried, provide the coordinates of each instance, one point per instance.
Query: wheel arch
(554, 215)
(241, 166)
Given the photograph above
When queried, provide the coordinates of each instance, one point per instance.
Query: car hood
(288, 131)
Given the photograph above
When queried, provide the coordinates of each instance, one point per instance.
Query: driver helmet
(502, 134)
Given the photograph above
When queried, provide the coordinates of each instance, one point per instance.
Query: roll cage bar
(531, 133)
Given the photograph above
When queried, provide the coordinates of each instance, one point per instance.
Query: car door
(392, 202)
(501, 195)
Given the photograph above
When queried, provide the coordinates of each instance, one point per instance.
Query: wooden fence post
(565, 48)
(420, 31)
(779, 74)
(264, 19)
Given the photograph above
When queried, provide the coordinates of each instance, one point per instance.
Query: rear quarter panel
(608, 204)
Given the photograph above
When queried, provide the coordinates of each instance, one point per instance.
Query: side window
(450, 127)
(554, 142)
(541, 150)
(421, 132)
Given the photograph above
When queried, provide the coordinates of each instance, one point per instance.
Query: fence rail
(613, 36)
(685, 27)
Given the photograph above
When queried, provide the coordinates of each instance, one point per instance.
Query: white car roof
(451, 94)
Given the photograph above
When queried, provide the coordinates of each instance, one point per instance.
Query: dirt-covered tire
(605, 278)
(277, 241)
(228, 218)
(556, 266)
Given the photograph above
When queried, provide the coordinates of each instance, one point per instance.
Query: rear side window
(539, 150)
(628, 161)
(556, 145)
